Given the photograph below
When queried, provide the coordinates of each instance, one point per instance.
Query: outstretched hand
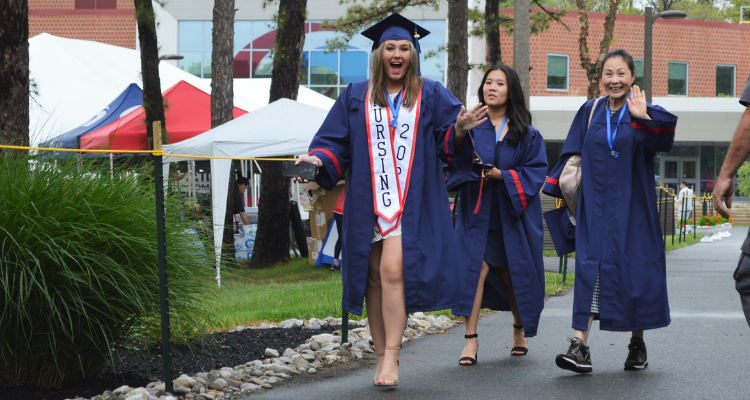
(723, 190)
(637, 103)
(471, 119)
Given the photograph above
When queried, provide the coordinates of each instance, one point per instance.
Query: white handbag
(570, 178)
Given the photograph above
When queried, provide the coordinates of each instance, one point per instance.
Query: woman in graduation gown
(620, 263)
(389, 137)
(499, 225)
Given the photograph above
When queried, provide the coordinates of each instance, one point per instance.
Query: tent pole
(243, 167)
(252, 186)
(161, 247)
(190, 180)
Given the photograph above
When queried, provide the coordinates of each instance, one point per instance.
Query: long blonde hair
(412, 81)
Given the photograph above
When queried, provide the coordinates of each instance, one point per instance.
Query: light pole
(647, 40)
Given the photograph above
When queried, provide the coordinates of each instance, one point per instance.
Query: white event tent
(75, 79)
(283, 127)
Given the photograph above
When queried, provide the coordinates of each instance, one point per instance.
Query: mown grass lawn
(295, 290)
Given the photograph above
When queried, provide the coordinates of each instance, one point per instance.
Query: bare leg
(394, 306)
(374, 299)
(584, 335)
(519, 338)
(638, 334)
(472, 345)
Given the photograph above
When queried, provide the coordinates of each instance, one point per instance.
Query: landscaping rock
(234, 383)
(272, 353)
(181, 390)
(218, 384)
(249, 387)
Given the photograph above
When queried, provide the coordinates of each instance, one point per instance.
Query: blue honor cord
(611, 136)
(500, 132)
(394, 109)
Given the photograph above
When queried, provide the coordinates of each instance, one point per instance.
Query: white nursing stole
(391, 156)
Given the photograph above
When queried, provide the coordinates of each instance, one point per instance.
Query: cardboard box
(312, 247)
(324, 199)
(319, 222)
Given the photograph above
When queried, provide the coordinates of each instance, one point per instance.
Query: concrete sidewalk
(703, 354)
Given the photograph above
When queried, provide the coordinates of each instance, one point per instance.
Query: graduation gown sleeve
(522, 183)
(331, 143)
(655, 134)
(445, 116)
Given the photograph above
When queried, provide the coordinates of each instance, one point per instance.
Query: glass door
(670, 167)
(689, 173)
(680, 169)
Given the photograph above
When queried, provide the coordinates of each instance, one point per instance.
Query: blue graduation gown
(431, 271)
(524, 167)
(617, 230)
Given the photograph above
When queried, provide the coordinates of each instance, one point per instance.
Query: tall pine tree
(272, 238)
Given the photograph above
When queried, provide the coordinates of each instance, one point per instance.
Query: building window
(95, 4)
(677, 83)
(638, 73)
(725, 80)
(557, 72)
(326, 73)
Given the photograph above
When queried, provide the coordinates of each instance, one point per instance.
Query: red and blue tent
(187, 111)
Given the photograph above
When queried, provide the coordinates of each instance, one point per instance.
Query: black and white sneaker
(577, 359)
(637, 359)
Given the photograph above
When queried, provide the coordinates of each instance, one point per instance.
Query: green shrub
(743, 175)
(78, 268)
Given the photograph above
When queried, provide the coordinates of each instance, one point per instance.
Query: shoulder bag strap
(591, 114)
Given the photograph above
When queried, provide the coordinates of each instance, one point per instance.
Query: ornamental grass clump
(78, 267)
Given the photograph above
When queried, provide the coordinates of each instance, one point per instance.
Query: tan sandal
(378, 357)
(390, 378)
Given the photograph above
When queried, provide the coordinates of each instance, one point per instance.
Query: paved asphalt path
(703, 354)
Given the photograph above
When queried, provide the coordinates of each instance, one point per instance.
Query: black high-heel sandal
(520, 350)
(472, 361)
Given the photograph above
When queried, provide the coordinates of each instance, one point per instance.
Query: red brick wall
(60, 18)
(51, 4)
(701, 44)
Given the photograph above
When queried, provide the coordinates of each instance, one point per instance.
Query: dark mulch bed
(140, 365)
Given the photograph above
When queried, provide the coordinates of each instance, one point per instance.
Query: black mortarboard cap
(561, 230)
(395, 27)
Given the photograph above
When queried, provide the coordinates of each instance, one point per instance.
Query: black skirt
(494, 251)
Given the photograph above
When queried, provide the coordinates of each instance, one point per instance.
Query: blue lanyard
(394, 110)
(610, 136)
(500, 132)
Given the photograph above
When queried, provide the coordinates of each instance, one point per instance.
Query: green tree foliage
(743, 186)
(626, 7)
(700, 10)
(79, 278)
(540, 19)
(732, 10)
(359, 17)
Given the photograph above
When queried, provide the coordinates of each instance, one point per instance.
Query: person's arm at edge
(245, 219)
(738, 152)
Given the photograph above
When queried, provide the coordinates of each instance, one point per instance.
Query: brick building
(699, 68)
(703, 52)
(106, 21)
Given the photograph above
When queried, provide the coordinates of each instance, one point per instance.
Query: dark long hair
(519, 117)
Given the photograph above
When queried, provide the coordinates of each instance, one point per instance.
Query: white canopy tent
(283, 127)
(75, 79)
